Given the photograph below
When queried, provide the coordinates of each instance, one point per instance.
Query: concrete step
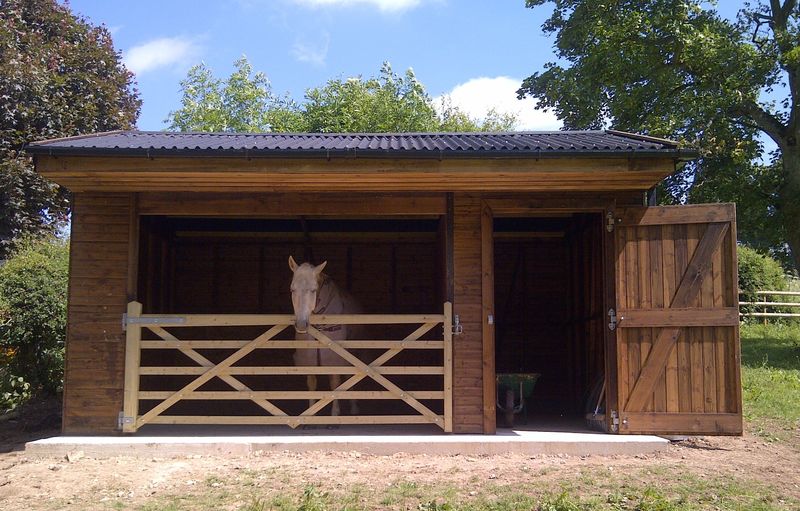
(383, 443)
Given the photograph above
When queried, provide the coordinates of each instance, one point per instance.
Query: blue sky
(477, 51)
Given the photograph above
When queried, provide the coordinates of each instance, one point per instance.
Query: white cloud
(479, 95)
(383, 5)
(310, 52)
(174, 52)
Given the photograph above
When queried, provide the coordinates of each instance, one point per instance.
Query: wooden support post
(448, 367)
(133, 353)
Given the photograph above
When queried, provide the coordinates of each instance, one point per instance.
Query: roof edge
(679, 154)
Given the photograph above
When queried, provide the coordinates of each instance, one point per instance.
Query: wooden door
(677, 330)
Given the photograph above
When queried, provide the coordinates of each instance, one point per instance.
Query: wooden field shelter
(472, 254)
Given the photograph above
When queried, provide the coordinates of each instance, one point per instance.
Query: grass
(771, 379)
(680, 491)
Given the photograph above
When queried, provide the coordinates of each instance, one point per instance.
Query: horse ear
(319, 268)
(292, 264)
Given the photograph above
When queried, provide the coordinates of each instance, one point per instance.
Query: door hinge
(612, 319)
(614, 421)
(122, 420)
(610, 221)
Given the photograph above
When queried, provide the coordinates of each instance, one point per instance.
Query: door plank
(685, 294)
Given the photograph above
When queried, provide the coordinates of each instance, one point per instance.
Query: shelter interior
(198, 265)
(549, 315)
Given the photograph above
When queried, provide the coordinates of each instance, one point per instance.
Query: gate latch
(458, 328)
(612, 319)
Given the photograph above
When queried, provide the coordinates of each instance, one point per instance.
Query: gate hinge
(614, 421)
(154, 320)
(612, 319)
(610, 221)
(122, 420)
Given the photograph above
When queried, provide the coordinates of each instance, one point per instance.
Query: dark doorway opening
(550, 319)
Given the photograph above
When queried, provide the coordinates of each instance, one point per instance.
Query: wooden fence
(767, 306)
(227, 370)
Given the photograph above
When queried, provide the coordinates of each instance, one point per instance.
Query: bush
(758, 272)
(33, 315)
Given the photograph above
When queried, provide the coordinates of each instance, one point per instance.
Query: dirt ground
(80, 482)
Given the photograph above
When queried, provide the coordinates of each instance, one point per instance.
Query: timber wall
(95, 353)
(102, 267)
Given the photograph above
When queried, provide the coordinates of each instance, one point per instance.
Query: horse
(314, 292)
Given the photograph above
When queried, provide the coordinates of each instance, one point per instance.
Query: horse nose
(301, 325)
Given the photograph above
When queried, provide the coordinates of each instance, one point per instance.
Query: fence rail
(767, 306)
(200, 354)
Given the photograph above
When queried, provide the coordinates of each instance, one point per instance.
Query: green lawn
(771, 379)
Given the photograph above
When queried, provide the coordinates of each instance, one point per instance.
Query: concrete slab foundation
(154, 444)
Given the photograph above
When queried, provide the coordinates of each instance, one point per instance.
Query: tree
(59, 76)
(244, 103)
(674, 68)
(387, 103)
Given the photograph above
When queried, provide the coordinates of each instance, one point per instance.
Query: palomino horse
(313, 292)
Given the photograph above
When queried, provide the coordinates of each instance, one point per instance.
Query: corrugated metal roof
(395, 145)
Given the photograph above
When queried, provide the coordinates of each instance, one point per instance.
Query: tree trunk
(789, 200)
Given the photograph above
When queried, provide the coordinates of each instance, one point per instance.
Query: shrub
(14, 391)
(33, 314)
(758, 272)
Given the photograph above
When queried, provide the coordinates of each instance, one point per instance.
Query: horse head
(305, 291)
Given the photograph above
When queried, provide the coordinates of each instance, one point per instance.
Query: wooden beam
(677, 317)
(487, 328)
(687, 214)
(290, 204)
(364, 175)
(95, 165)
(681, 423)
(286, 370)
(526, 206)
(307, 419)
(133, 336)
(291, 394)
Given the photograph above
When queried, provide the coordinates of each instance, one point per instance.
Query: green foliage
(242, 103)
(59, 76)
(14, 391)
(758, 272)
(313, 500)
(677, 69)
(388, 103)
(33, 303)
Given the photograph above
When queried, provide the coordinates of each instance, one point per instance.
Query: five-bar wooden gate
(232, 373)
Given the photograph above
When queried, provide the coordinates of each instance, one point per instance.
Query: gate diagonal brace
(370, 371)
(353, 380)
(218, 370)
(204, 362)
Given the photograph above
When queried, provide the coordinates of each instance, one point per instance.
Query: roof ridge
(644, 138)
(76, 137)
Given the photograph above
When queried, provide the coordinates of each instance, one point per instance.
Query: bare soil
(768, 469)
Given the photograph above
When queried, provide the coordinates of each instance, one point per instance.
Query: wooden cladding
(281, 205)
(469, 402)
(352, 175)
(678, 344)
(95, 355)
